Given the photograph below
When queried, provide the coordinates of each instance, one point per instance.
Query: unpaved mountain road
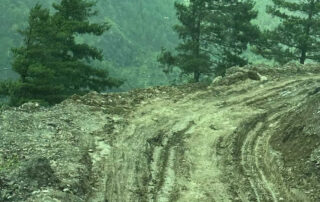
(251, 136)
(210, 145)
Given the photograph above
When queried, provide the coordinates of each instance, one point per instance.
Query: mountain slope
(139, 30)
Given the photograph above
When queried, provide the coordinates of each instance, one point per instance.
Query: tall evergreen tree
(37, 80)
(214, 34)
(297, 36)
(231, 31)
(74, 69)
(51, 65)
(191, 55)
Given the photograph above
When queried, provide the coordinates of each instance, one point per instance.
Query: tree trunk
(196, 76)
(303, 57)
(306, 46)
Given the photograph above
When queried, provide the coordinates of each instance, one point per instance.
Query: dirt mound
(253, 135)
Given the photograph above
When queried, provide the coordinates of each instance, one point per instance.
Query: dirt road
(251, 136)
(211, 145)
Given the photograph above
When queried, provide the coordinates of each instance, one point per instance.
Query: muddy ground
(251, 136)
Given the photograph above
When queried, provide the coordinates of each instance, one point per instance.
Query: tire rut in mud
(245, 157)
(169, 158)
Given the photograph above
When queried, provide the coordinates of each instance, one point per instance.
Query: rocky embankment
(253, 135)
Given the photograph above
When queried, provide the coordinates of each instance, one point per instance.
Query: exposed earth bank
(253, 135)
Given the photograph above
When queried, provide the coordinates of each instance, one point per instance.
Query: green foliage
(6, 89)
(214, 35)
(231, 32)
(13, 14)
(190, 57)
(9, 163)
(167, 60)
(296, 38)
(51, 65)
(139, 29)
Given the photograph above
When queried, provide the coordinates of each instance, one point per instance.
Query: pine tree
(51, 65)
(296, 38)
(72, 19)
(214, 34)
(191, 56)
(36, 79)
(231, 31)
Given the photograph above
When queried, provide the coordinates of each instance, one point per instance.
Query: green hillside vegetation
(297, 35)
(130, 47)
(145, 32)
(213, 36)
(51, 64)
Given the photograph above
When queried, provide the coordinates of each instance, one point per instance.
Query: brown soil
(251, 136)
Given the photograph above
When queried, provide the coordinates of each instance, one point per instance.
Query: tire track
(251, 165)
(255, 147)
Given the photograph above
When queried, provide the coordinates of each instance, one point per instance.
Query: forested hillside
(139, 29)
